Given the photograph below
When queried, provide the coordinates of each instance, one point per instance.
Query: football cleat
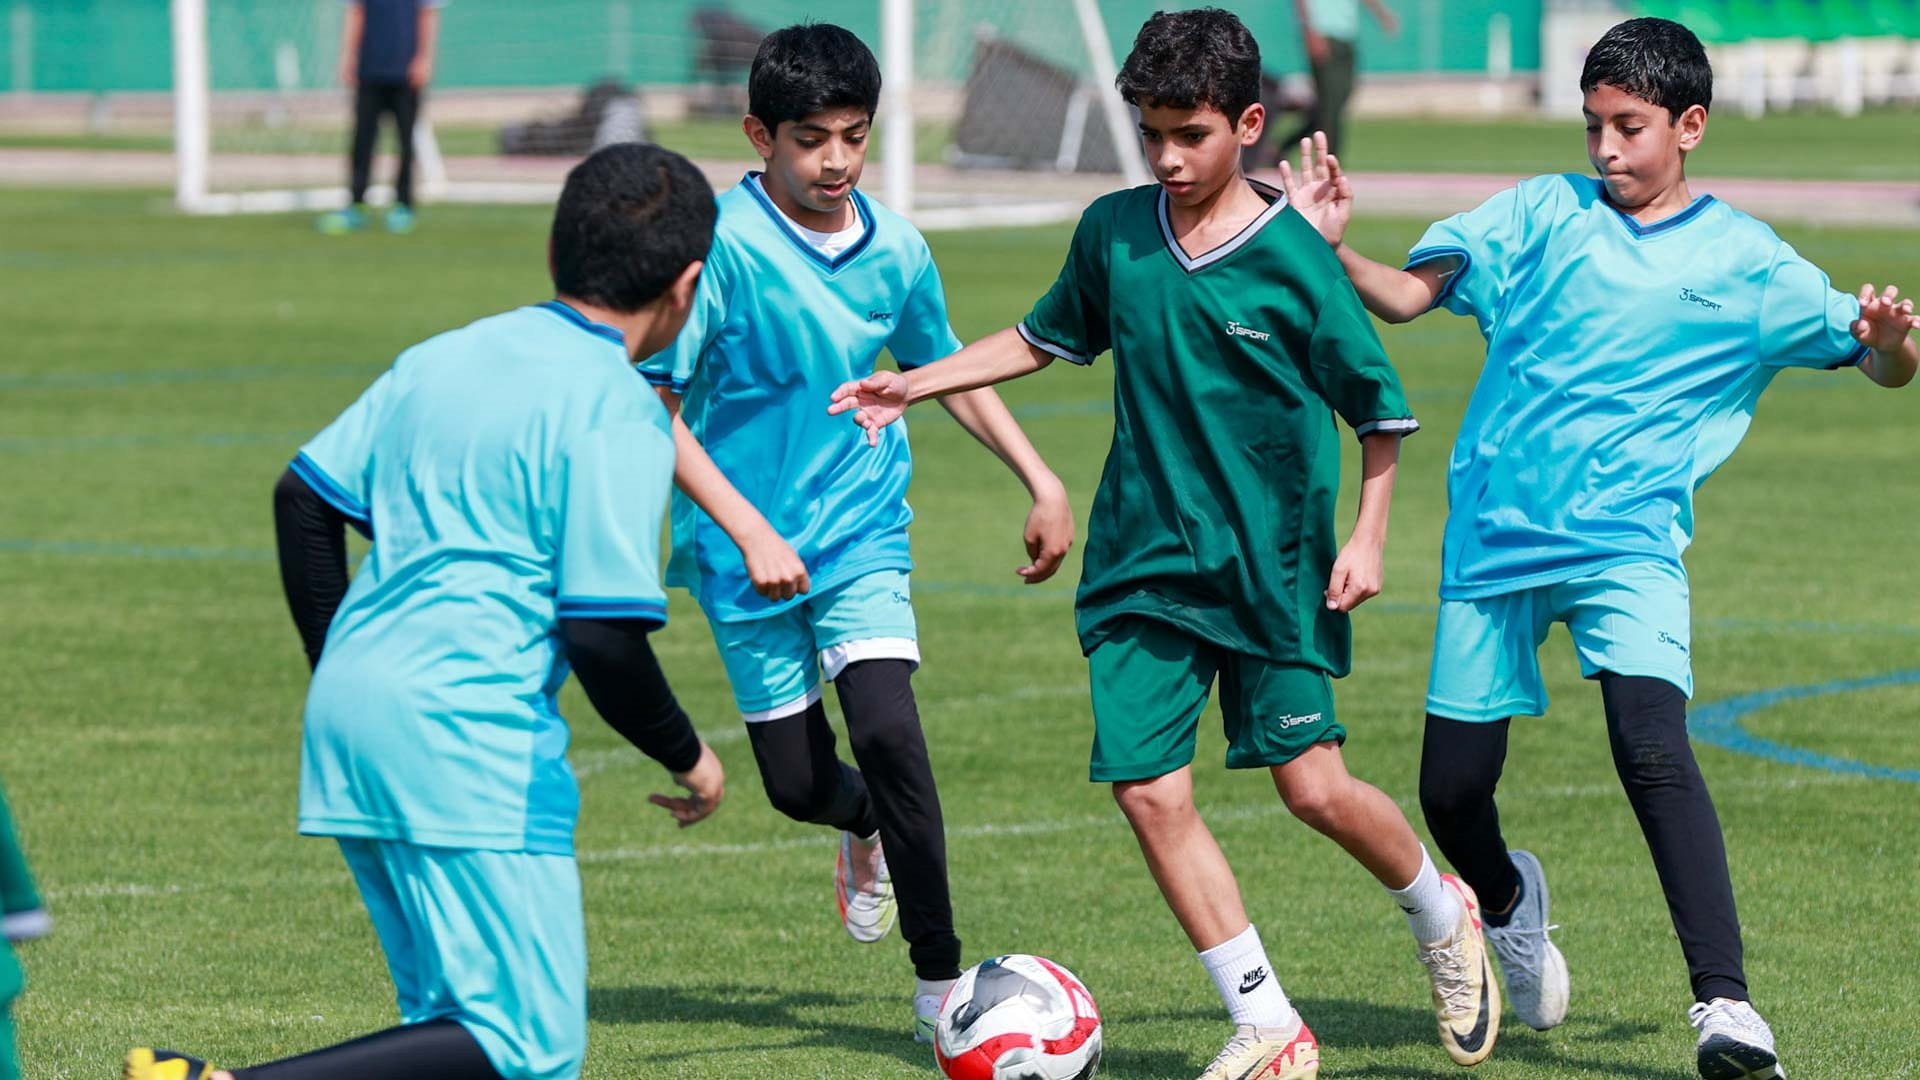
(342, 221)
(1261, 1053)
(928, 996)
(1466, 998)
(148, 1063)
(1735, 1044)
(863, 889)
(1536, 972)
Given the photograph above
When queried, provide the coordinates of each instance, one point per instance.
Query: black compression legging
(436, 1050)
(892, 792)
(1460, 765)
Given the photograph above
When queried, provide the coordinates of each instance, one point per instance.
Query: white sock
(931, 988)
(1433, 910)
(1246, 981)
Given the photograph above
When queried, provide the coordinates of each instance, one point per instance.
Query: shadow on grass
(753, 1007)
(1343, 1025)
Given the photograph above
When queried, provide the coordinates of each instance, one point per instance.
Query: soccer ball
(1017, 1017)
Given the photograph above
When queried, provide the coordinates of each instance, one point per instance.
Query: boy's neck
(825, 221)
(1677, 197)
(1222, 214)
(633, 325)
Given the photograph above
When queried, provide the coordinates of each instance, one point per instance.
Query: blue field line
(1718, 724)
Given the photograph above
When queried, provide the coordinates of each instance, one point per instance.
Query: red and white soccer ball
(1018, 1017)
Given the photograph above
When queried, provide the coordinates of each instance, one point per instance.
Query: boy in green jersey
(22, 918)
(1210, 551)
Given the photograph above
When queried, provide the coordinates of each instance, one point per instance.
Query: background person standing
(1331, 30)
(386, 56)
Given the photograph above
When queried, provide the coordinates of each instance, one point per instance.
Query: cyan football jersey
(1623, 365)
(511, 473)
(776, 327)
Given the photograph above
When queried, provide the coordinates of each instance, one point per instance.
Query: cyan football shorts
(1631, 619)
(495, 940)
(774, 663)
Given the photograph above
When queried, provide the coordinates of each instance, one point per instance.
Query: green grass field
(159, 372)
(1874, 146)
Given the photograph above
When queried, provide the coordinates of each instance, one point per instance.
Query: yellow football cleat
(1466, 999)
(147, 1063)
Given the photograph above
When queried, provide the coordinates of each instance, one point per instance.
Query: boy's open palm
(1318, 190)
(875, 401)
(1885, 320)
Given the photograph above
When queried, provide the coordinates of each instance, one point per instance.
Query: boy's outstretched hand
(706, 785)
(1885, 320)
(1319, 190)
(875, 401)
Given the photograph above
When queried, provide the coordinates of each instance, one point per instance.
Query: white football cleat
(1735, 1044)
(1536, 972)
(863, 889)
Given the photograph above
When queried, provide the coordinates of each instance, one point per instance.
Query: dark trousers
(1333, 82)
(1460, 766)
(892, 792)
(370, 102)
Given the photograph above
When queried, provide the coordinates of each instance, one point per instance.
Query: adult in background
(386, 56)
(1331, 29)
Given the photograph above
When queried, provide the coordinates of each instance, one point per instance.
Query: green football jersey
(1215, 509)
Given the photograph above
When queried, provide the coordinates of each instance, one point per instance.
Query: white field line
(815, 841)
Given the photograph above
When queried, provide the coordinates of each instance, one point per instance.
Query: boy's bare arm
(881, 398)
(1357, 573)
(427, 41)
(1391, 293)
(773, 566)
(1049, 526)
(354, 25)
(1886, 326)
(1320, 192)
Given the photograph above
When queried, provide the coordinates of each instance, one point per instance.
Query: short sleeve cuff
(652, 612)
(335, 494)
(1460, 255)
(1402, 426)
(1044, 345)
(1853, 359)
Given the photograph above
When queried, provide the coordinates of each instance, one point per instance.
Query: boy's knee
(1317, 805)
(1146, 802)
(799, 798)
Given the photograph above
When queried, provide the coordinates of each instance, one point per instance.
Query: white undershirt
(828, 244)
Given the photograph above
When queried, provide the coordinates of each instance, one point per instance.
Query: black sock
(435, 1050)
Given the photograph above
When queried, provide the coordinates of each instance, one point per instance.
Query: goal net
(993, 111)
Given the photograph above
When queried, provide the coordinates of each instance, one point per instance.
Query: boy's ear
(1693, 126)
(680, 293)
(758, 134)
(1252, 123)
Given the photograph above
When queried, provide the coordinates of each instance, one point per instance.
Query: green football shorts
(1150, 684)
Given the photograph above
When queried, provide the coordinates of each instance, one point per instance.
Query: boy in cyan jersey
(1631, 327)
(793, 533)
(1236, 342)
(513, 477)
